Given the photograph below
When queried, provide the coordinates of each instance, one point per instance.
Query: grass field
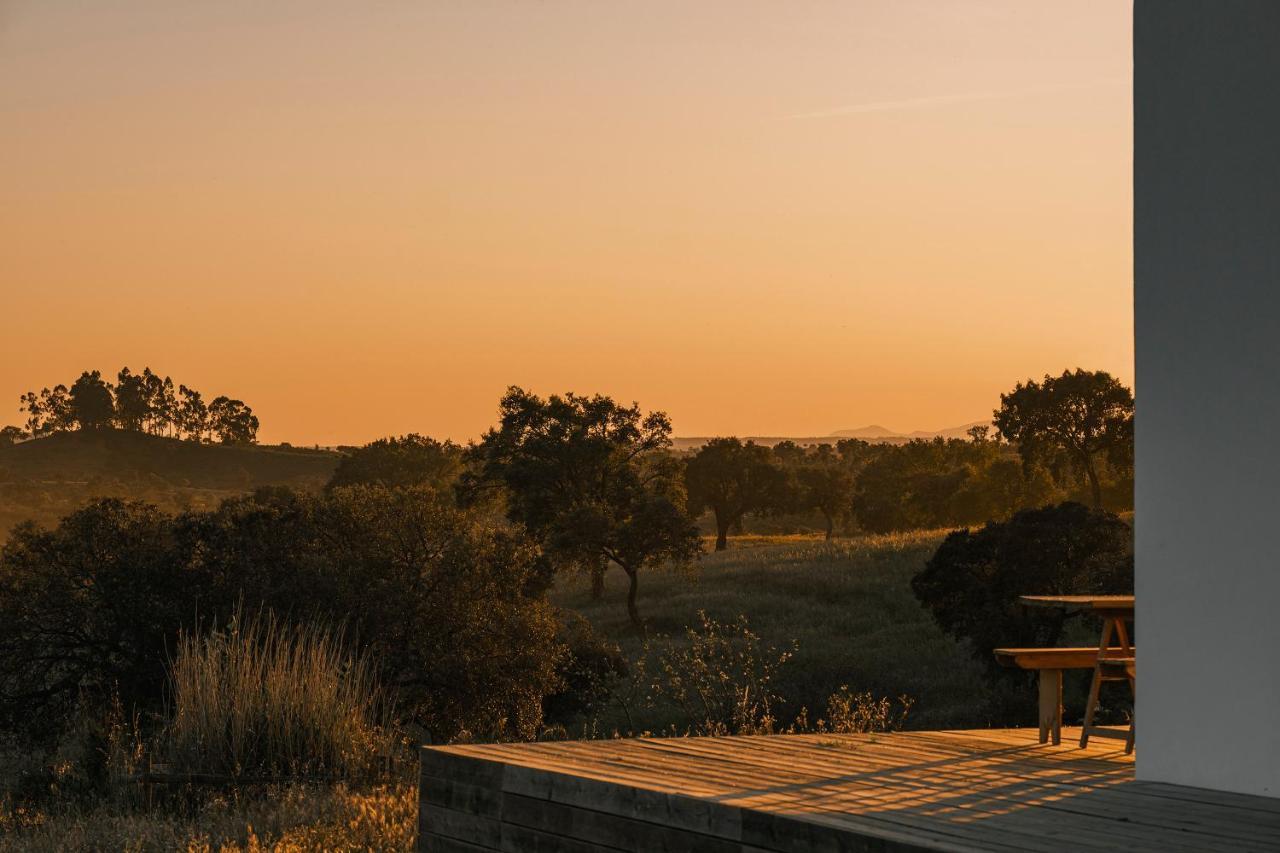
(847, 603)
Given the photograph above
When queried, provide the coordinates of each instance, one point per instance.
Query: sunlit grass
(848, 603)
(264, 698)
(296, 818)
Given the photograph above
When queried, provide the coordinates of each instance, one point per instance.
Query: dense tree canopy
(945, 483)
(11, 435)
(410, 460)
(437, 595)
(825, 483)
(732, 479)
(1079, 417)
(973, 581)
(140, 402)
(591, 479)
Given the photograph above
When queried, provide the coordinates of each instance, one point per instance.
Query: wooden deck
(995, 789)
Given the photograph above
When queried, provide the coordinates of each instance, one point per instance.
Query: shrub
(589, 670)
(973, 581)
(261, 698)
(443, 600)
(86, 611)
(723, 678)
(411, 460)
(858, 713)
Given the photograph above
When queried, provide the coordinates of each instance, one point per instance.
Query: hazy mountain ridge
(875, 431)
(871, 432)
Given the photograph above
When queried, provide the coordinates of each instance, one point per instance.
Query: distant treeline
(140, 402)
(1068, 437)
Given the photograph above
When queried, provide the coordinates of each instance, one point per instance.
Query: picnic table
(1108, 662)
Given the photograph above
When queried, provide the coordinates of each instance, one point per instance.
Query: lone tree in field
(1082, 414)
(732, 479)
(591, 479)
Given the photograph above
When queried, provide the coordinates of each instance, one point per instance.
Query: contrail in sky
(933, 100)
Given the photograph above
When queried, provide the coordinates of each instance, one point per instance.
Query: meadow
(846, 604)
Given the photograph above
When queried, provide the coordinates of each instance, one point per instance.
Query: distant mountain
(868, 432)
(875, 432)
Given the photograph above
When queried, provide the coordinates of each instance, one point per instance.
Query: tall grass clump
(263, 698)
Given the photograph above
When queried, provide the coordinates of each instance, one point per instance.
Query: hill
(867, 433)
(47, 478)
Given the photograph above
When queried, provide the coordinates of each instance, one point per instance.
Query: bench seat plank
(1059, 658)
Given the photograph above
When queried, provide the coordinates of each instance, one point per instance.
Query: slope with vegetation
(47, 478)
(414, 589)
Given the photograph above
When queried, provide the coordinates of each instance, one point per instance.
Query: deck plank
(995, 789)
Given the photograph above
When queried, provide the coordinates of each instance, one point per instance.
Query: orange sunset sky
(762, 217)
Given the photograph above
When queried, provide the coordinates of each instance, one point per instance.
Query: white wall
(1207, 290)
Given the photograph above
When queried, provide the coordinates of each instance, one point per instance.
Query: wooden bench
(1050, 663)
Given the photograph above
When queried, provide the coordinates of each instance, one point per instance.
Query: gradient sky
(370, 218)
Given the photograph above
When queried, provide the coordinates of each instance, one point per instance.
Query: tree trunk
(722, 533)
(1094, 485)
(632, 610)
(831, 526)
(597, 582)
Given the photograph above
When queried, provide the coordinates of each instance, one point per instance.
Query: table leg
(1108, 625)
(1051, 705)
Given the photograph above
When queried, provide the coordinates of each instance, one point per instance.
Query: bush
(444, 601)
(411, 460)
(723, 679)
(261, 698)
(87, 610)
(973, 581)
(851, 713)
(589, 670)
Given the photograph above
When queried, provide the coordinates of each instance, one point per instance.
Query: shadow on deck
(995, 789)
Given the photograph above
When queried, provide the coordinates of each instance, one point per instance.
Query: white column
(1207, 293)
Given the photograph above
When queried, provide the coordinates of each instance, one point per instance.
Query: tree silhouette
(132, 406)
(826, 484)
(972, 583)
(733, 479)
(411, 460)
(232, 421)
(11, 435)
(1082, 414)
(140, 402)
(192, 414)
(49, 411)
(591, 479)
(92, 405)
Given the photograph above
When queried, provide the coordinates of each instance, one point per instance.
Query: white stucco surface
(1207, 291)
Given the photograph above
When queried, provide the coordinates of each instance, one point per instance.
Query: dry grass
(262, 698)
(298, 818)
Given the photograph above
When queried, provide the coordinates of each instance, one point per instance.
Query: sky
(762, 218)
